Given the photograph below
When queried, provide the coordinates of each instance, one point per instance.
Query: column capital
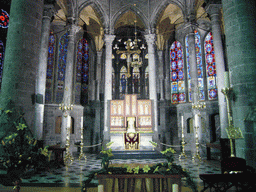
(150, 38)
(48, 11)
(213, 9)
(99, 53)
(109, 38)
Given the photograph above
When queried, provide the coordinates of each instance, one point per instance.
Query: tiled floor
(76, 173)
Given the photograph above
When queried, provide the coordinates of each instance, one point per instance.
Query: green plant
(21, 151)
(106, 155)
(168, 168)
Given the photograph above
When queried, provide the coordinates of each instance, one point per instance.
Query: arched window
(4, 19)
(82, 72)
(136, 80)
(199, 67)
(210, 67)
(63, 44)
(1, 62)
(123, 82)
(50, 69)
(177, 73)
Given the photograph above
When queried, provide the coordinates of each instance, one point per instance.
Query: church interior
(137, 76)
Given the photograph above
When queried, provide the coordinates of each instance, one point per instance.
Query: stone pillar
(214, 11)
(240, 30)
(161, 73)
(108, 82)
(98, 74)
(41, 73)
(194, 83)
(21, 56)
(193, 66)
(150, 38)
(67, 98)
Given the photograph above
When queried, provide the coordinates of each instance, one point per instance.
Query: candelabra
(82, 155)
(68, 160)
(197, 154)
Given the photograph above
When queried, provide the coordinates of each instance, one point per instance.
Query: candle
(196, 120)
(82, 122)
(226, 79)
(182, 125)
(100, 188)
(175, 188)
(69, 121)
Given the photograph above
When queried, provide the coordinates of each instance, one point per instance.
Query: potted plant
(21, 152)
(167, 170)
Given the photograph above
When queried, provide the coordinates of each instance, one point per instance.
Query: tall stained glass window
(200, 74)
(63, 45)
(210, 67)
(82, 72)
(136, 81)
(1, 62)
(123, 82)
(50, 69)
(177, 73)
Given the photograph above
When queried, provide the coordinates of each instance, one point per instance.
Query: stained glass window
(199, 67)
(210, 67)
(4, 19)
(123, 82)
(177, 74)
(63, 44)
(50, 68)
(1, 62)
(82, 72)
(146, 82)
(136, 80)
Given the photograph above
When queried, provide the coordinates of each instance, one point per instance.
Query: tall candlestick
(182, 125)
(196, 120)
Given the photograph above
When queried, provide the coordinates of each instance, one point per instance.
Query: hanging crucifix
(129, 46)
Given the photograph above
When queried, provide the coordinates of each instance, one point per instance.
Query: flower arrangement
(21, 151)
(167, 168)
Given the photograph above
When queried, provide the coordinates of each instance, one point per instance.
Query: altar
(131, 124)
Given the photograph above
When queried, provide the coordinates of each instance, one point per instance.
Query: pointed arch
(98, 8)
(160, 8)
(125, 9)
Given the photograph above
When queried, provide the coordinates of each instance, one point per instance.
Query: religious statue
(131, 127)
(123, 83)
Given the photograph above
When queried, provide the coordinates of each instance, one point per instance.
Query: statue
(131, 127)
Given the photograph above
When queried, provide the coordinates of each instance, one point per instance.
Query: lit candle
(226, 79)
(175, 188)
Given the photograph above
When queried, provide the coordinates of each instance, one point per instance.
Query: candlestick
(82, 121)
(183, 140)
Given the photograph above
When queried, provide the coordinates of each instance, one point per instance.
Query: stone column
(41, 73)
(161, 73)
(240, 30)
(214, 11)
(150, 38)
(69, 72)
(194, 85)
(21, 57)
(98, 74)
(193, 66)
(108, 82)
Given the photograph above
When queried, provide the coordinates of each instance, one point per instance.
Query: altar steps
(137, 155)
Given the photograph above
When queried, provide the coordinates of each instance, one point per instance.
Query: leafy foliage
(21, 150)
(168, 168)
